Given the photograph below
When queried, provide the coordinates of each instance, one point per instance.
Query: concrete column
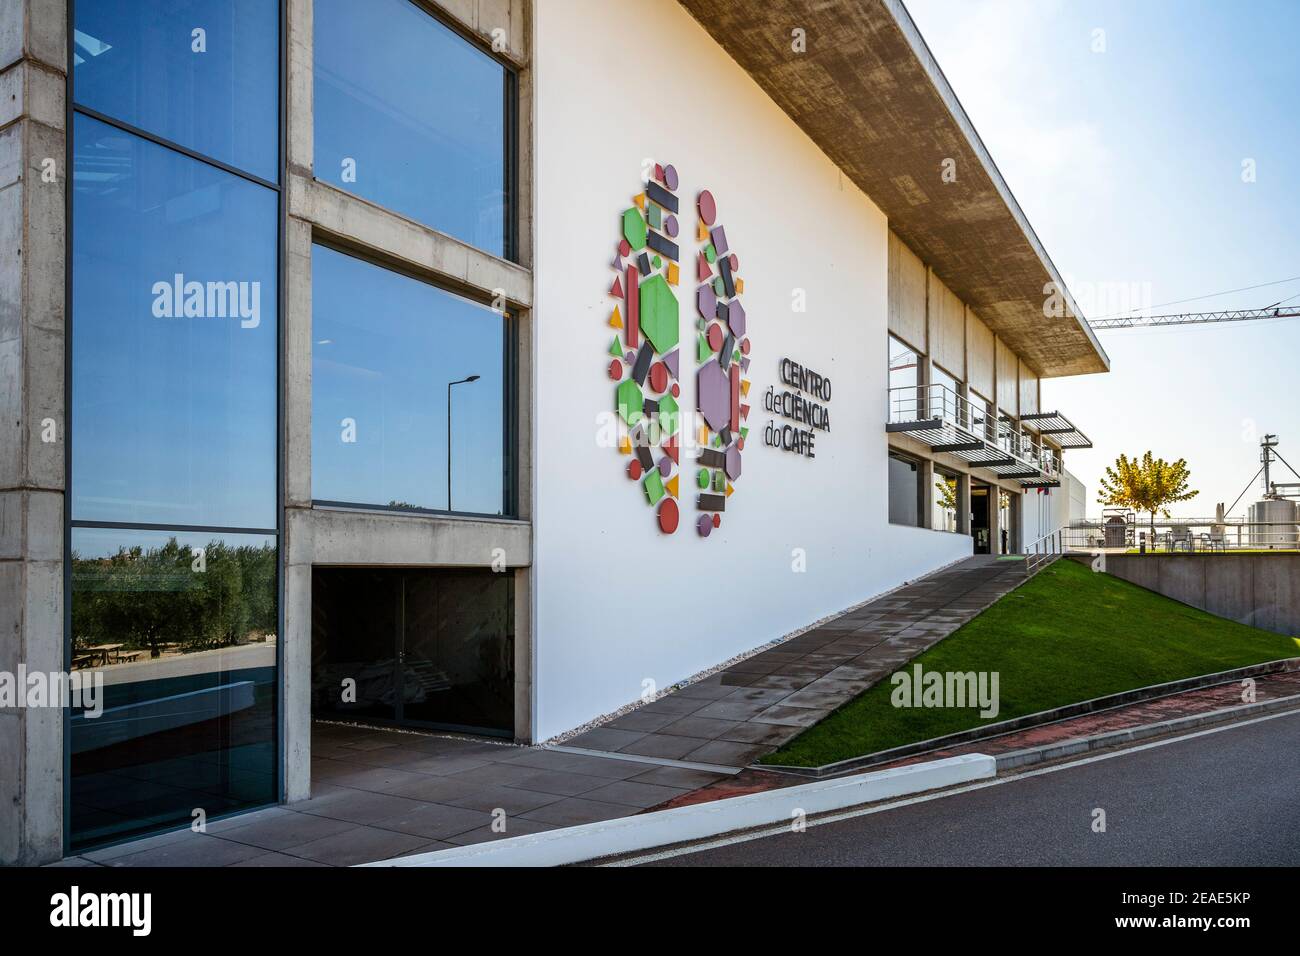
(297, 547)
(995, 521)
(523, 656)
(926, 472)
(33, 179)
(963, 504)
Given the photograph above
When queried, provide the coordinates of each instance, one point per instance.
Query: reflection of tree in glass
(947, 488)
(149, 599)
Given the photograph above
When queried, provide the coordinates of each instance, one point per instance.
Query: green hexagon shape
(630, 402)
(659, 314)
(634, 229)
(668, 414)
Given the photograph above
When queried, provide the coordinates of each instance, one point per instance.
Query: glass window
(904, 491)
(984, 416)
(183, 629)
(945, 501)
(411, 116)
(944, 397)
(201, 73)
(174, 337)
(903, 365)
(389, 352)
(425, 647)
(904, 377)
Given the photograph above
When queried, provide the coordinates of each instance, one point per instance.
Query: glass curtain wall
(411, 116)
(174, 557)
(411, 391)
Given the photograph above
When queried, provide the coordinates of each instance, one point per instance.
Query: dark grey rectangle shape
(724, 269)
(643, 359)
(712, 458)
(659, 244)
(662, 196)
(711, 502)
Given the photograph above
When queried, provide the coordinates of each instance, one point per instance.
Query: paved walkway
(379, 794)
(752, 708)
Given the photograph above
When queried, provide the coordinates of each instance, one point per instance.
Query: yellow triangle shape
(616, 319)
(625, 446)
(730, 489)
(744, 386)
(639, 199)
(671, 485)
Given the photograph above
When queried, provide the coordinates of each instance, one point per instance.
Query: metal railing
(1172, 535)
(1044, 551)
(944, 418)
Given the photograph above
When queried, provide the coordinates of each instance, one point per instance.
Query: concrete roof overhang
(870, 94)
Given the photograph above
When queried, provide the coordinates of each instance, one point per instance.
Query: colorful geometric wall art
(722, 356)
(645, 346)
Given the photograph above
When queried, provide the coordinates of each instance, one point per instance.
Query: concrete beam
(380, 539)
(868, 92)
(405, 244)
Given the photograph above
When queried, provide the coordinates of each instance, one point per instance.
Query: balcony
(947, 423)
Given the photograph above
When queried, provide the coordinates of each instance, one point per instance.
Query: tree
(1147, 485)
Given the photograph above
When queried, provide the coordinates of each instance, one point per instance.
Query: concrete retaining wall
(1262, 590)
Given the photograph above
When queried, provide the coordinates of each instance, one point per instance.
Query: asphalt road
(1230, 798)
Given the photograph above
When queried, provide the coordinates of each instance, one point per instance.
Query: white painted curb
(643, 831)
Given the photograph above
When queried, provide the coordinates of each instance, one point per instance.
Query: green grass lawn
(1067, 635)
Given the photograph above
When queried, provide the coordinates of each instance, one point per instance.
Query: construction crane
(1196, 318)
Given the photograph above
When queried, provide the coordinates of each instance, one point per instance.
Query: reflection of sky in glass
(173, 418)
(385, 348)
(135, 61)
(420, 112)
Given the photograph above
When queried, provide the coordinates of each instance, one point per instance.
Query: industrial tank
(1279, 517)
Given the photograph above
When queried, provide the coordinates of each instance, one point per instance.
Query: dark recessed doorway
(426, 648)
(980, 499)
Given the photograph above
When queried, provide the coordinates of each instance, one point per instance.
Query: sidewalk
(379, 794)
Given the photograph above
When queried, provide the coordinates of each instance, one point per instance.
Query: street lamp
(461, 381)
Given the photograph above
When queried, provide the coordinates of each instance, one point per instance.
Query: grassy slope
(1065, 636)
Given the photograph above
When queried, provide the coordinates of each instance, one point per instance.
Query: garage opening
(431, 648)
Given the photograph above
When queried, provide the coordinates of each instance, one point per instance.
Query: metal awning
(1059, 428)
(948, 424)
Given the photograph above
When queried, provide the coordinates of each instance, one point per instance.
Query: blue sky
(1128, 162)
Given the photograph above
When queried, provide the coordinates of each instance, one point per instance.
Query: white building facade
(596, 344)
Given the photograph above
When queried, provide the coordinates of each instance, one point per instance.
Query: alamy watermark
(182, 299)
(956, 689)
(37, 689)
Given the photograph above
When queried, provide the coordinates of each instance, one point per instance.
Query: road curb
(1040, 719)
(644, 831)
(1069, 748)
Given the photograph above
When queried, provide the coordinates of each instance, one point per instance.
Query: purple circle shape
(704, 526)
(670, 227)
(670, 177)
(665, 466)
